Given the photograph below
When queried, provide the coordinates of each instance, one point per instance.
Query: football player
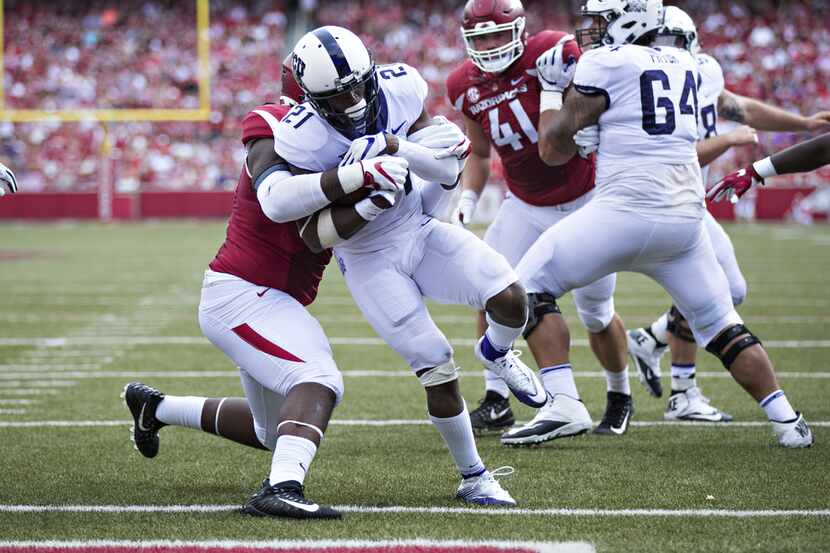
(648, 344)
(498, 94)
(807, 156)
(392, 254)
(8, 184)
(647, 215)
(253, 308)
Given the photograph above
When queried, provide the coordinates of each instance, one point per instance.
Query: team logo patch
(298, 66)
(473, 94)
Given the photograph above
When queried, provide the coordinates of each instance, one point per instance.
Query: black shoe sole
(653, 385)
(330, 514)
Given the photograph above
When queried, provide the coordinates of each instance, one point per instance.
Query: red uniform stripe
(263, 344)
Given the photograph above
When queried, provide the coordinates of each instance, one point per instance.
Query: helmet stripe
(334, 51)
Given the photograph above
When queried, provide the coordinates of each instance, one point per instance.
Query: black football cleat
(142, 401)
(285, 500)
(618, 412)
(493, 414)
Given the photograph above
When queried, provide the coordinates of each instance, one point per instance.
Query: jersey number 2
(503, 134)
(650, 105)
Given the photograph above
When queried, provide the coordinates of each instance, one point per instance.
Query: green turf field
(118, 303)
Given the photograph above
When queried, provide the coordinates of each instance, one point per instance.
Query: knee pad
(597, 316)
(326, 374)
(539, 304)
(678, 326)
(718, 346)
(441, 374)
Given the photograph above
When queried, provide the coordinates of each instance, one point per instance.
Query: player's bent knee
(738, 291)
(539, 305)
(730, 343)
(678, 326)
(512, 299)
(596, 318)
(441, 374)
(323, 374)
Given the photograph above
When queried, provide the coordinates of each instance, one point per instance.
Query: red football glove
(734, 185)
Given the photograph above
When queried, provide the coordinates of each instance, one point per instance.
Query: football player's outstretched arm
(710, 149)
(765, 117)
(558, 127)
(807, 156)
(285, 196)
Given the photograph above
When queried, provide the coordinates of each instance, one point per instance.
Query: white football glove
(365, 147)
(7, 181)
(385, 173)
(445, 136)
(554, 72)
(376, 203)
(587, 140)
(463, 214)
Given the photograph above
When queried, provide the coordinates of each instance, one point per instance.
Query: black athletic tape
(538, 305)
(677, 325)
(269, 170)
(727, 357)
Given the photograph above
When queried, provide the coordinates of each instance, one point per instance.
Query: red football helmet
(291, 92)
(489, 17)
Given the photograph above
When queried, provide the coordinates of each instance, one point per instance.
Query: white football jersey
(709, 89)
(306, 140)
(647, 160)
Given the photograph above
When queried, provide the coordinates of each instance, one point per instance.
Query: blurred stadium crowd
(138, 54)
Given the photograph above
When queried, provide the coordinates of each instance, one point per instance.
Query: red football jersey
(256, 248)
(506, 105)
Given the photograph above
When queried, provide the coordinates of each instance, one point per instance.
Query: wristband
(550, 99)
(351, 177)
(367, 209)
(764, 168)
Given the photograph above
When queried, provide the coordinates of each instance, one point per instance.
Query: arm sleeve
(422, 160)
(285, 197)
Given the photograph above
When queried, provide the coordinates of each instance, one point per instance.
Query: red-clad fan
(501, 95)
(253, 308)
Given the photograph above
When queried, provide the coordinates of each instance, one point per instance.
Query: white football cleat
(794, 433)
(561, 417)
(646, 354)
(520, 378)
(691, 405)
(485, 489)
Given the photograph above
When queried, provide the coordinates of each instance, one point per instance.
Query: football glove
(365, 147)
(463, 214)
(8, 184)
(587, 140)
(385, 173)
(376, 203)
(555, 73)
(734, 185)
(445, 136)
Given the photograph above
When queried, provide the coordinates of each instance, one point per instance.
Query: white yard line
(13, 411)
(586, 512)
(17, 401)
(334, 340)
(390, 422)
(471, 373)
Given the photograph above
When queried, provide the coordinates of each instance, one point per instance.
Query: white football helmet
(622, 21)
(337, 75)
(677, 23)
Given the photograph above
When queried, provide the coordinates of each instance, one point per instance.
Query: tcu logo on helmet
(472, 94)
(298, 66)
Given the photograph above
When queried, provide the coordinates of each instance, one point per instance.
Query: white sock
(618, 382)
(494, 383)
(659, 328)
(457, 432)
(501, 336)
(181, 411)
(682, 377)
(292, 457)
(777, 407)
(559, 379)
